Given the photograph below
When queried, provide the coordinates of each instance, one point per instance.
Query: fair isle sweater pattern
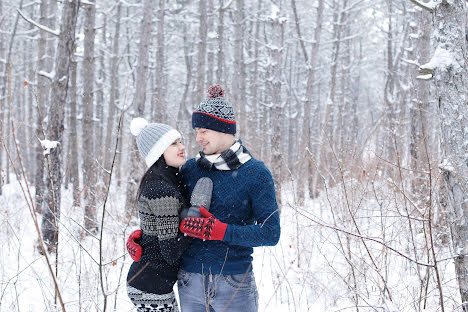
(159, 216)
(159, 205)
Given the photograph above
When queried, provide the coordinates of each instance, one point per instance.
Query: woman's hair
(151, 173)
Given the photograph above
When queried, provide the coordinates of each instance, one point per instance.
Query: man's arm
(266, 232)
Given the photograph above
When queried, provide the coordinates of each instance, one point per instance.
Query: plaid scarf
(230, 159)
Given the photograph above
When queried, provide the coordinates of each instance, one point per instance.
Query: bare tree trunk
(325, 142)
(75, 163)
(183, 114)
(210, 45)
(449, 18)
(201, 62)
(99, 106)
(238, 77)
(5, 82)
(420, 108)
(136, 164)
(220, 53)
(344, 129)
(64, 54)
(114, 94)
(200, 87)
(42, 83)
(276, 48)
(306, 164)
(389, 93)
(89, 163)
(2, 99)
(160, 75)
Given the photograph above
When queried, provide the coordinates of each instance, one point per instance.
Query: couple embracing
(201, 218)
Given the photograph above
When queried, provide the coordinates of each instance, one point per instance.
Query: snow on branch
(227, 5)
(429, 6)
(48, 145)
(86, 2)
(47, 75)
(42, 27)
(424, 77)
(445, 165)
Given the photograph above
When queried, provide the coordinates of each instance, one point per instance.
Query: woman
(161, 201)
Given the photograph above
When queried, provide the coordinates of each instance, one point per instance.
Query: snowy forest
(359, 109)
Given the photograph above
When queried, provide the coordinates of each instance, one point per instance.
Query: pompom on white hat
(152, 138)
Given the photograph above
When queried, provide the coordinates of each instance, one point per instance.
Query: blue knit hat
(152, 138)
(215, 112)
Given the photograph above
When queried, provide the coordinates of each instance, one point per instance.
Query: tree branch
(426, 6)
(42, 27)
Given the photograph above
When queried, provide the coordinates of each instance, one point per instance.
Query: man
(216, 271)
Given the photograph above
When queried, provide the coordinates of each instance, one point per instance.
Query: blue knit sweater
(245, 200)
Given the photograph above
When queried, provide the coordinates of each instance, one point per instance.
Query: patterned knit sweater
(159, 204)
(245, 200)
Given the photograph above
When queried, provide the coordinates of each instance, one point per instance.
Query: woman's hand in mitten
(208, 228)
(133, 248)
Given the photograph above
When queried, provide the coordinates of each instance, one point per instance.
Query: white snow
(275, 10)
(48, 145)
(50, 75)
(212, 35)
(47, 29)
(442, 59)
(307, 271)
(432, 4)
(424, 77)
(446, 166)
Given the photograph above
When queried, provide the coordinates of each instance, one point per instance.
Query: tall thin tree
(89, 162)
(55, 127)
(139, 102)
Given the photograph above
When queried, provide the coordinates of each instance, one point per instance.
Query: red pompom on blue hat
(215, 112)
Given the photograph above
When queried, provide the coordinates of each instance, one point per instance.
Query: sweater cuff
(228, 234)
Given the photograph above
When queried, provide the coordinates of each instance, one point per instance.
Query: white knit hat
(152, 138)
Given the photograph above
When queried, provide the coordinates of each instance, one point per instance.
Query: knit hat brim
(160, 147)
(207, 121)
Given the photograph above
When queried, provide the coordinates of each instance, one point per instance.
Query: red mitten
(208, 227)
(133, 248)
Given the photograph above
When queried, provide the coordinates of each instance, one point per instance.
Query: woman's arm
(159, 217)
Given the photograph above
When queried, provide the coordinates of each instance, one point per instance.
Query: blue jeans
(217, 292)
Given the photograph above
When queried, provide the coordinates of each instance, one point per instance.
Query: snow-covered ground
(313, 268)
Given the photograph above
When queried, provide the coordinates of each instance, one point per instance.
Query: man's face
(213, 142)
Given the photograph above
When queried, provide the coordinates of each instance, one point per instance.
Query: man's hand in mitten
(201, 197)
(208, 227)
(133, 248)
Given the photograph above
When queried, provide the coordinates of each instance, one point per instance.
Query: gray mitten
(201, 196)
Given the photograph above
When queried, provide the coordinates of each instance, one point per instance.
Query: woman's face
(174, 155)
